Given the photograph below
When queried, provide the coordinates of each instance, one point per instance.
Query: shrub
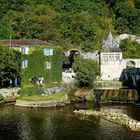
(29, 91)
(86, 71)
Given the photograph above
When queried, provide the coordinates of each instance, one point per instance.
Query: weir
(115, 95)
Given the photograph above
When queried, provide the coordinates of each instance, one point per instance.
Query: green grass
(55, 96)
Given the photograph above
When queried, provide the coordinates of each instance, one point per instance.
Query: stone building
(40, 60)
(111, 60)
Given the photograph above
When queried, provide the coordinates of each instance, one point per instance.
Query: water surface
(17, 123)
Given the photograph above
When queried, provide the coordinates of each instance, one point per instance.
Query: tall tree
(10, 64)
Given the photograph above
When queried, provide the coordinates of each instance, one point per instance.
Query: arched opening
(67, 64)
(130, 64)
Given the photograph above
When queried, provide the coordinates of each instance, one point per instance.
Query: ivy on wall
(37, 65)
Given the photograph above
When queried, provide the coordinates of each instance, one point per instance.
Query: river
(17, 123)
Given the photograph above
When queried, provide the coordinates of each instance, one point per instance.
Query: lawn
(55, 96)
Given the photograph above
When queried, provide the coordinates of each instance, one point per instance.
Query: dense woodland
(70, 23)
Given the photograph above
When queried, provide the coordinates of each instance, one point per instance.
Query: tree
(86, 71)
(130, 49)
(10, 63)
(126, 17)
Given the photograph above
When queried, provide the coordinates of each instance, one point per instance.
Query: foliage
(8, 68)
(37, 65)
(37, 97)
(30, 91)
(86, 71)
(75, 22)
(126, 17)
(69, 22)
(130, 49)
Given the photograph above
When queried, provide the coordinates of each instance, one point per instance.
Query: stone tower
(110, 59)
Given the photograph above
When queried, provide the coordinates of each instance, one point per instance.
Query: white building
(111, 61)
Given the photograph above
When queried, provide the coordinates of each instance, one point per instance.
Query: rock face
(124, 36)
(50, 103)
(7, 92)
(119, 118)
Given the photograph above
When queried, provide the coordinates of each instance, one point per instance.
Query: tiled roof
(110, 45)
(22, 42)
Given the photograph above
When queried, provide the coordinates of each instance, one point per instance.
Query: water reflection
(60, 123)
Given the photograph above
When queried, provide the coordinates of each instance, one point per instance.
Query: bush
(31, 91)
(86, 71)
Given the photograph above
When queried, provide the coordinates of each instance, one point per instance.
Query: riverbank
(50, 103)
(44, 100)
(59, 96)
(115, 117)
(31, 98)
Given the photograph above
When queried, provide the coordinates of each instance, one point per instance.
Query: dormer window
(48, 51)
(24, 50)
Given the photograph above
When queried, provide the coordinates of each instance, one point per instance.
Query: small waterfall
(115, 95)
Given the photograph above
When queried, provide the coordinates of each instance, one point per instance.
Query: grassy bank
(55, 96)
(39, 94)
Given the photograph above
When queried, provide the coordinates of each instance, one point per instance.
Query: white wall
(68, 77)
(111, 72)
(137, 62)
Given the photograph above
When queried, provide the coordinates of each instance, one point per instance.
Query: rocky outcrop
(121, 37)
(7, 92)
(119, 118)
(49, 103)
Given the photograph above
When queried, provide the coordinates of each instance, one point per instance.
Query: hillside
(70, 23)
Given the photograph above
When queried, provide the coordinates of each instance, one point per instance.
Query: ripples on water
(61, 124)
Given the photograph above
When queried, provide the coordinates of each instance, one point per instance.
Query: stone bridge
(131, 77)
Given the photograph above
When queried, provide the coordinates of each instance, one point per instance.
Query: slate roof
(22, 42)
(110, 45)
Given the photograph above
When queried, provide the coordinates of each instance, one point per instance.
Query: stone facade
(112, 62)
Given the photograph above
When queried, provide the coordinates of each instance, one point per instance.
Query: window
(48, 65)
(25, 63)
(24, 50)
(48, 51)
(117, 56)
